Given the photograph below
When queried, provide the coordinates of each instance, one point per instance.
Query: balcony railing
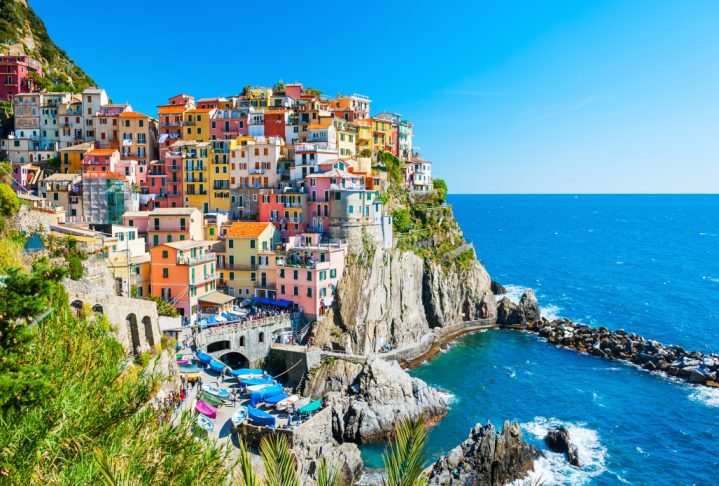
(258, 171)
(189, 260)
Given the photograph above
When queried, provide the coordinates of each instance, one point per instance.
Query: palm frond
(405, 456)
(110, 474)
(279, 461)
(328, 475)
(248, 477)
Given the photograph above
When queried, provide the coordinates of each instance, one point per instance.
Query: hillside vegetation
(20, 25)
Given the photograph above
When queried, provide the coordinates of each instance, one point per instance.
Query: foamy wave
(371, 478)
(553, 468)
(514, 293)
(550, 312)
(711, 279)
(707, 396)
(448, 397)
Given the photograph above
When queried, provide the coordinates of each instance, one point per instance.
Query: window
(164, 253)
(232, 243)
(282, 289)
(309, 291)
(253, 243)
(295, 274)
(309, 276)
(253, 276)
(296, 290)
(165, 273)
(333, 273)
(282, 273)
(262, 337)
(155, 240)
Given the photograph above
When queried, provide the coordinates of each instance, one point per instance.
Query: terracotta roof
(80, 147)
(317, 126)
(171, 109)
(275, 112)
(132, 114)
(244, 229)
(335, 173)
(200, 110)
(101, 151)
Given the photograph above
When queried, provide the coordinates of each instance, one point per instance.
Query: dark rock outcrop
(558, 440)
(486, 458)
(511, 314)
(498, 288)
(691, 366)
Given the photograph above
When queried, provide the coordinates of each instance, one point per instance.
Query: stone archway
(78, 306)
(97, 308)
(218, 346)
(235, 360)
(134, 333)
(149, 335)
(466, 311)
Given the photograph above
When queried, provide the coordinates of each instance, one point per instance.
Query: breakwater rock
(486, 458)
(691, 366)
(369, 399)
(558, 440)
(509, 313)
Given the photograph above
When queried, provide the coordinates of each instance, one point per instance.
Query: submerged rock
(497, 288)
(486, 458)
(558, 440)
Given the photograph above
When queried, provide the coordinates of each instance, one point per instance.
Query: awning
(163, 137)
(216, 298)
(277, 302)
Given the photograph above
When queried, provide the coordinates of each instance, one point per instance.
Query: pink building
(15, 75)
(318, 188)
(294, 90)
(309, 273)
(284, 209)
(167, 225)
(100, 160)
(22, 174)
(228, 124)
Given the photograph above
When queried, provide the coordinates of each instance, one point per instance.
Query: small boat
(217, 365)
(311, 407)
(275, 399)
(194, 376)
(218, 392)
(205, 423)
(183, 361)
(206, 409)
(287, 402)
(239, 416)
(190, 369)
(204, 358)
(258, 396)
(301, 402)
(213, 400)
(254, 388)
(264, 380)
(260, 417)
(249, 372)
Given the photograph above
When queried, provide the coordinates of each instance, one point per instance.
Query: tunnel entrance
(235, 360)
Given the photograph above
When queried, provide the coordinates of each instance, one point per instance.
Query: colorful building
(15, 75)
(247, 244)
(284, 209)
(167, 225)
(197, 123)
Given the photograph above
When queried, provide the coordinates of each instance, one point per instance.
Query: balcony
(173, 167)
(204, 278)
(189, 260)
(240, 267)
(258, 171)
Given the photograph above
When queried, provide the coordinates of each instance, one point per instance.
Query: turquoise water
(644, 263)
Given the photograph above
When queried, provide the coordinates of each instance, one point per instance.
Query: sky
(520, 96)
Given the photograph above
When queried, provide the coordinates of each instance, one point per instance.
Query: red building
(15, 75)
(284, 210)
(275, 123)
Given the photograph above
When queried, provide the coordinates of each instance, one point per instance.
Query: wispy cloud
(561, 111)
(473, 92)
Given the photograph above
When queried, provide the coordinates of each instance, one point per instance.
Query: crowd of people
(171, 403)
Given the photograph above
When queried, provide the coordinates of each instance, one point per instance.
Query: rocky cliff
(369, 399)
(486, 458)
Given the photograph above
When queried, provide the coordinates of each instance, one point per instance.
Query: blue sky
(519, 96)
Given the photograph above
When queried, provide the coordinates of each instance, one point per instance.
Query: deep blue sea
(645, 263)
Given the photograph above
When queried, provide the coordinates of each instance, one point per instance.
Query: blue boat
(216, 391)
(275, 399)
(260, 417)
(205, 423)
(246, 371)
(264, 380)
(260, 395)
(190, 369)
(217, 365)
(204, 358)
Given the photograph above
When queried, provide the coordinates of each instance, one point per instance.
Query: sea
(648, 264)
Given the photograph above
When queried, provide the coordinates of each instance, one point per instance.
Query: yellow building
(346, 139)
(249, 247)
(382, 135)
(259, 97)
(364, 135)
(219, 174)
(71, 157)
(138, 140)
(196, 158)
(196, 124)
(136, 269)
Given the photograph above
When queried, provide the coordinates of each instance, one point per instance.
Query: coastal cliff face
(369, 399)
(396, 297)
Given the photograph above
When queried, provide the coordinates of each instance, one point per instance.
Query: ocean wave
(707, 396)
(711, 279)
(514, 293)
(707, 234)
(550, 312)
(371, 478)
(553, 468)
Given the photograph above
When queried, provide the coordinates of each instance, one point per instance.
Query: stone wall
(294, 362)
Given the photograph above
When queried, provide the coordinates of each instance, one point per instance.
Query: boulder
(558, 440)
(497, 288)
(508, 313)
(529, 307)
(486, 458)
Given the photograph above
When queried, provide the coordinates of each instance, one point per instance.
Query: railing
(240, 267)
(188, 260)
(258, 171)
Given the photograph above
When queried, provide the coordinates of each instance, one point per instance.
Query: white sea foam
(371, 478)
(711, 279)
(553, 468)
(514, 293)
(550, 312)
(707, 396)
(707, 234)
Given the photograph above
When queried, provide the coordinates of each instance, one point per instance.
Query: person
(234, 396)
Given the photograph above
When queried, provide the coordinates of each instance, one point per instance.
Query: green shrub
(401, 221)
(164, 308)
(440, 186)
(167, 342)
(143, 359)
(9, 202)
(75, 267)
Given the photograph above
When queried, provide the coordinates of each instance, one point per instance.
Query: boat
(249, 372)
(254, 388)
(217, 365)
(190, 369)
(260, 417)
(183, 361)
(218, 392)
(205, 423)
(275, 399)
(287, 402)
(211, 399)
(264, 380)
(239, 416)
(311, 407)
(193, 376)
(204, 358)
(206, 409)
(301, 403)
(258, 396)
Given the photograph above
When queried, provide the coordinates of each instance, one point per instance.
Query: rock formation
(691, 366)
(369, 399)
(558, 440)
(486, 458)
(511, 314)
(498, 289)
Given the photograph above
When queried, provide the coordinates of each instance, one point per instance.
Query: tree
(441, 187)
(22, 298)
(75, 267)
(405, 457)
(401, 220)
(365, 153)
(9, 202)
(164, 308)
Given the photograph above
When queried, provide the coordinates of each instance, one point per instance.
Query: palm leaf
(405, 456)
(248, 477)
(110, 474)
(279, 462)
(328, 475)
